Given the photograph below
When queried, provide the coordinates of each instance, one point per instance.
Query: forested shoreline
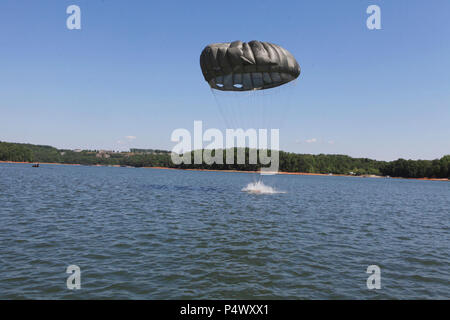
(289, 162)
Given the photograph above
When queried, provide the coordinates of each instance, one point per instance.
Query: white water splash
(260, 188)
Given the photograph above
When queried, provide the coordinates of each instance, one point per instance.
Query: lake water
(168, 234)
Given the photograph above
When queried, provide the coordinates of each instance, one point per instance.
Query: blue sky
(133, 71)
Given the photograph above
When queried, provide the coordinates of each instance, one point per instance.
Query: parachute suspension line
(229, 106)
(264, 110)
(265, 103)
(236, 107)
(280, 100)
(242, 108)
(233, 108)
(249, 109)
(257, 118)
(288, 107)
(259, 103)
(219, 107)
(256, 103)
(238, 111)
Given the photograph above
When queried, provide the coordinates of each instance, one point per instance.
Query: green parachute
(241, 66)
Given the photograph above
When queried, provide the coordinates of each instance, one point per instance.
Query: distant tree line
(15, 152)
(292, 162)
(135, 150)
(289, 162)
(418, 168)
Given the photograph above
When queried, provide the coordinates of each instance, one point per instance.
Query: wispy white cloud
(313, 140)
(125, 140)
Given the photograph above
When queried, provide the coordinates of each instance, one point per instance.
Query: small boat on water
(36, 165)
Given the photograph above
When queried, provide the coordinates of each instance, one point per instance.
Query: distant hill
(289, 162)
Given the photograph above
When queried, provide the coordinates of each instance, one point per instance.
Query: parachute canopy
(241, 66)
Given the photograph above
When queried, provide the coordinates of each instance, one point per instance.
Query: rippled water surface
(166, 234)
